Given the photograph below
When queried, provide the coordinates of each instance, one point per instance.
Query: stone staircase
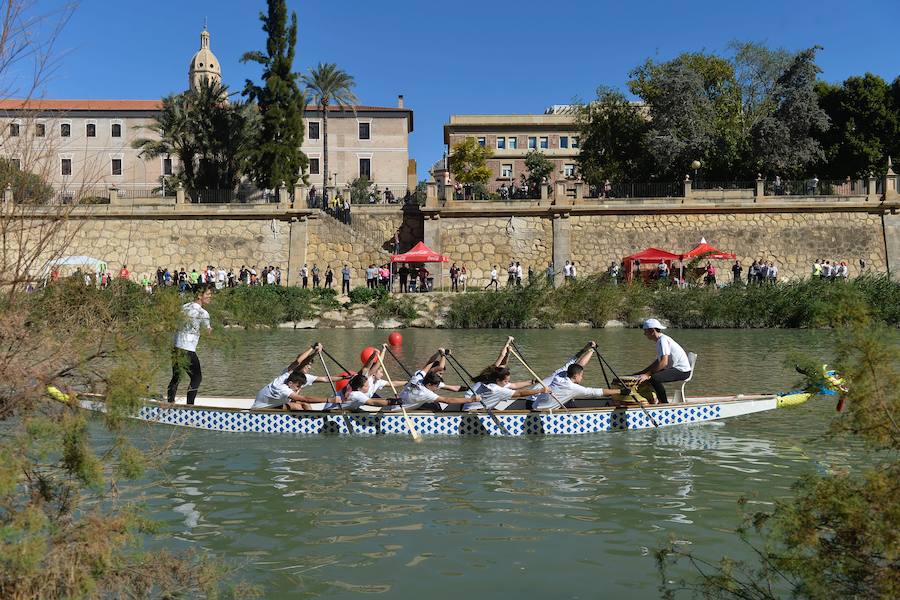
(368, 237)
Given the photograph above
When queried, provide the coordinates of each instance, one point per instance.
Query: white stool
(679, 395)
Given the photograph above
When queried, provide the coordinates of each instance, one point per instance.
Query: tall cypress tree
(276, 156)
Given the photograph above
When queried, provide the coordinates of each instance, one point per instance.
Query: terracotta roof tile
(39, 104)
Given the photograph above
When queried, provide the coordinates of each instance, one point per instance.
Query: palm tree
(328, 84)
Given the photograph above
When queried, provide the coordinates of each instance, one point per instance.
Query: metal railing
(817, 187)
(239, 196)
(724, 185)
(647, 189)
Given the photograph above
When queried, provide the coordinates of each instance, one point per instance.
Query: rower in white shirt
(493, 388)
(284, 390)
(565, 383)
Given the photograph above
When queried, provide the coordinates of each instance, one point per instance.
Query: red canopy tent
(420, 253)
(704, 250)
(648, 255)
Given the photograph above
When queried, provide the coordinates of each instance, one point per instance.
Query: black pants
(345, 286)
(454, 284)
(315, 281)
(403, 286)
(181, 360)
(666, 376)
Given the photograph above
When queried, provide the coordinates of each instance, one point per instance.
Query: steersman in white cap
(671, 362)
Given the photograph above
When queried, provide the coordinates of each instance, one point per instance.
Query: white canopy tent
(94, 264)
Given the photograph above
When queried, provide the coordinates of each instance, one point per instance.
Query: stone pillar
(559, 193)
(8, 194)
(579, 191)
(688, 188)
(114, 197)
(299, 234)
(760, 189)
(180, 197)
(890, 183)
(872, 189)
(431, 232)
(448, 196)
(891, 224)
(431, 196)
(562, 241)
(283, 197)
(300, 199)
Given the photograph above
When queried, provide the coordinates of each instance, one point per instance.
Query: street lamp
(695, 166)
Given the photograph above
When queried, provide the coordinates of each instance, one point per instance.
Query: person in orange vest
(123, 273)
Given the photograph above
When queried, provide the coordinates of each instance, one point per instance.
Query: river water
(560, 517)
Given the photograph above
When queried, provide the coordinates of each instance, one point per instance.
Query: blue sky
(459, 57)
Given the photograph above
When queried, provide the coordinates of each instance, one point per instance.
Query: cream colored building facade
(85, 145)
(512, 137)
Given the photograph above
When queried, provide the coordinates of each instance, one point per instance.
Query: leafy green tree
(276, 156)
(361, 189)
(539, 168)
(865, 129)
(468, 162)
(612, 132)
(209, 136)
(329, 85)
(786, 141)
(26, 187)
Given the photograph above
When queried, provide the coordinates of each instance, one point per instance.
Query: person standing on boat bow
(565, 383)
(184, 354)
(284, 390)
(671, 362)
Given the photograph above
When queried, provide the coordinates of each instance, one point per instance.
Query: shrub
(364, 295)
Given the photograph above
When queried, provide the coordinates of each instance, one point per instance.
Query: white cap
(652, 324)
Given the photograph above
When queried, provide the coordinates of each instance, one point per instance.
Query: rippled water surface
(560, 517)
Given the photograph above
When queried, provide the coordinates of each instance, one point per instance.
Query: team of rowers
(490, 389)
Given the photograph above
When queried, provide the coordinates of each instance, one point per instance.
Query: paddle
(534, 375)
(490, 411)
(601, 360)
(402, 366)
(409, 423)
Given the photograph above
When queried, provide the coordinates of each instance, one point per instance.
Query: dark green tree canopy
(276, 156)
(612, 131)
(539, 167)
(468, 162)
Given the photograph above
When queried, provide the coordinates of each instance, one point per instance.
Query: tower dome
(204, 65)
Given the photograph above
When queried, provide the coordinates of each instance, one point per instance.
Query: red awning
(704, 250)
(420, 254)
(651, 254)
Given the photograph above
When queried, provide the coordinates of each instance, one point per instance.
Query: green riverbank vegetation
(594, 300)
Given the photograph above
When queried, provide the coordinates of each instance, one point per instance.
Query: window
(313, 130)
(13, 130)
(364, 131)
(117, 166)
(501, 143)
(506, 171)
(115, 130)
(167, 166)
(574, 142)
(65, 130)
(545, 143)
(16, 163)
(314, 166)
(482, 142)
(90, 130)
(40, 130)
(66, 166)
(563, 141)
(569, 170)
(532, 143)
(365, 168)
(513, 143)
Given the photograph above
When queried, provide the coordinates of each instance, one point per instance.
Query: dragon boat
(234, 415)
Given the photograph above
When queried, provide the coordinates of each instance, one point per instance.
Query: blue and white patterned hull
(516, 423)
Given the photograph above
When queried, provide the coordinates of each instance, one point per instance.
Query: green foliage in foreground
(839, 537)
(804, 303)
(65, 531)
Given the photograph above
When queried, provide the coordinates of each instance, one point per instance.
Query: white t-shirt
(572, 271)
(188, 336)
(677, 357)
(375, 385)
(519, 271)
(222, 275)
(270, 277)
(491, 395)
(493, 274)
(355, 400)
(277, 392)
(567, 270)
(564, 389)
(415, 395)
